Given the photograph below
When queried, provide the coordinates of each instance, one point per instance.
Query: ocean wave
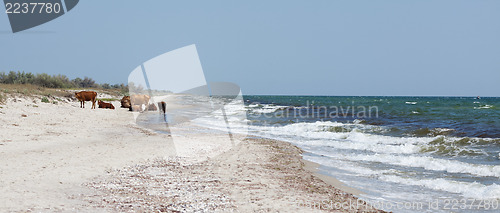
(486, 106)
(358, 121)
(351, 167)
(266, 108)
(400, 151)
(343, 136)
(355, 136)
(253, 105)
(431, 132)
(331, 126)
(453, 146)
(372, 147)
(435, 139)
(466, 189)
(356, 140)
(426, 162)
(411, 102)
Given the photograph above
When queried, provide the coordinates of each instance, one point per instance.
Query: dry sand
(59, 157)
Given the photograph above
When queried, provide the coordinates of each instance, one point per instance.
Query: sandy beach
(59, 157)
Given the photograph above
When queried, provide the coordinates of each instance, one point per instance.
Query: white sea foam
(267, 108)
(484, 107)
(351, 137)
(466, 189)
(443, 129)
(410, 102)
(470, 190)
(348, 136)
(373, 147)
(253, 105)
(357, 121)
(350, 166)
(428, 163)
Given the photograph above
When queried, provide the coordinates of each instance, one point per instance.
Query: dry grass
(29, 90)
(32, 90)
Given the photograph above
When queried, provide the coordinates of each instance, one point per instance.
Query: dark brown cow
(105, 105)
(152, 107)
(125, 102)
(162, 106)
(86, 96)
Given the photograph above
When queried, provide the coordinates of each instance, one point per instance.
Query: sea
(406, 154)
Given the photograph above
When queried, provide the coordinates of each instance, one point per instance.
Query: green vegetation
(108, 99)
(52, 86)
(54, 81)
(45, 100)
(29, 90)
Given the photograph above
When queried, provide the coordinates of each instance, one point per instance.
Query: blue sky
(424, 47)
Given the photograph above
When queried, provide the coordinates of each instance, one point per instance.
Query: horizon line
(423, 96)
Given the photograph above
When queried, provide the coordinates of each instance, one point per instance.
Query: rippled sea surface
(395, 149)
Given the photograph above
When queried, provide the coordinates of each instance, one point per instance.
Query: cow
(142, 101)
(162, 109)
(125, 102)
(139, 99)
(162, 106)
(134, 108)
(86, 96)
(105, 105)
(152, 107)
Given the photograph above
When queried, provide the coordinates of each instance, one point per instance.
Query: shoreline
(314, 169)
(77, 159)
(256, 175)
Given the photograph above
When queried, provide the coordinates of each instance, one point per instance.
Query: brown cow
(125, 102)
(86, 96)
(162, 106)
(105, 105)
(138, 101)
(134, 108)
(152, 107)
